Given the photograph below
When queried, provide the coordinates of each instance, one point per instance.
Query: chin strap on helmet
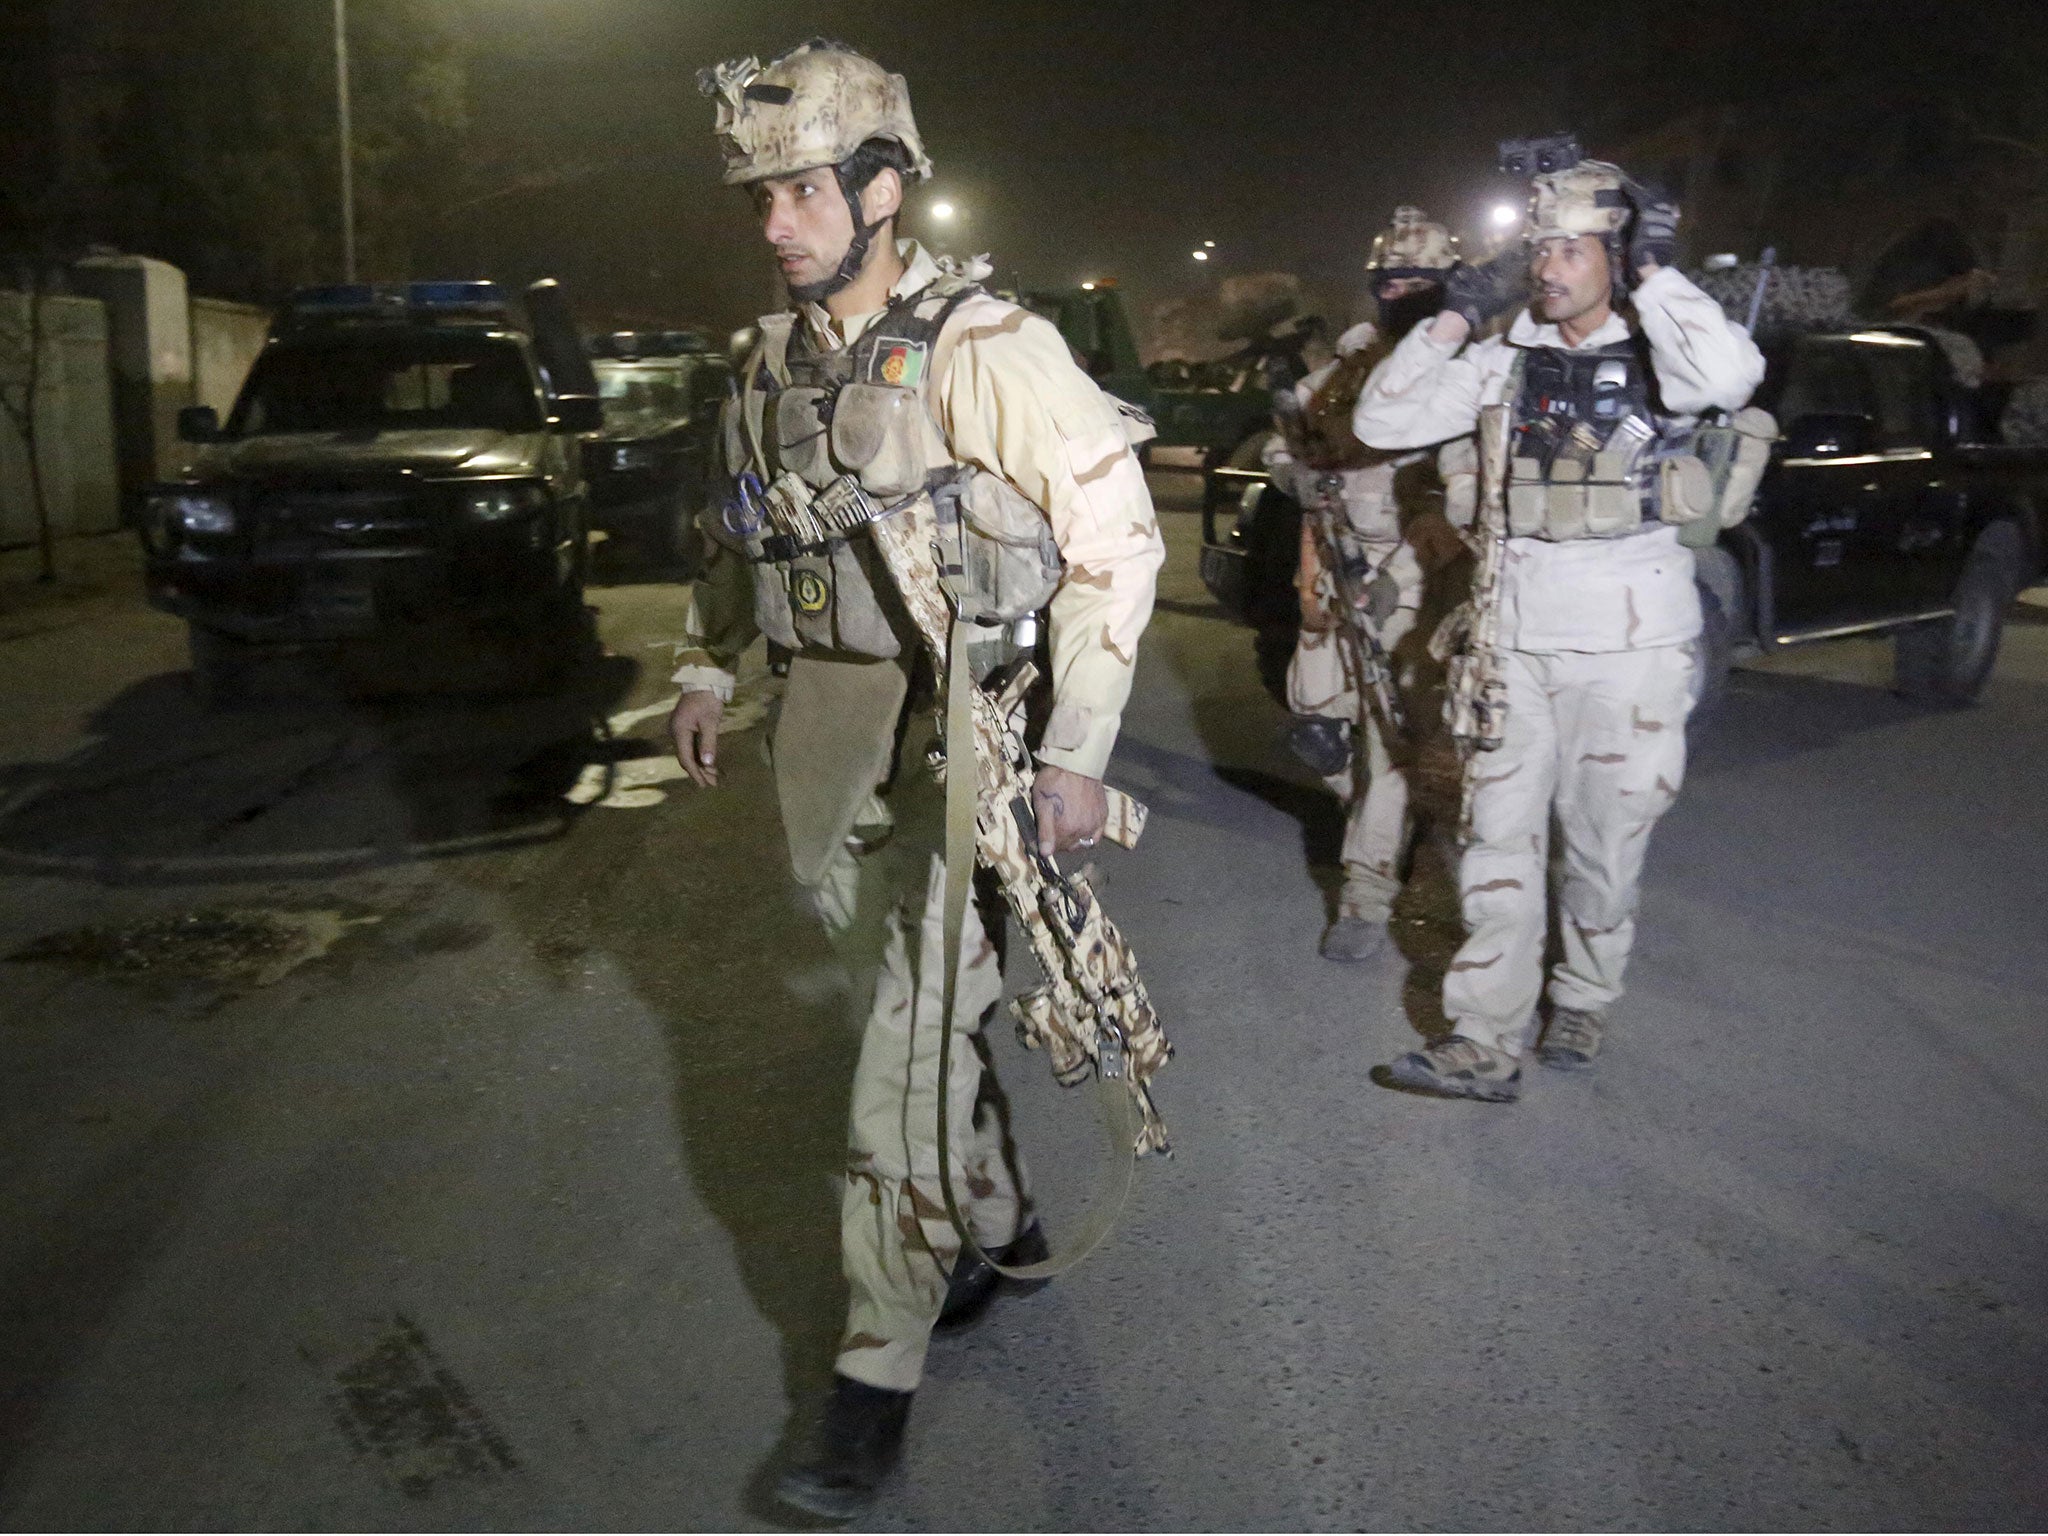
(853, 175)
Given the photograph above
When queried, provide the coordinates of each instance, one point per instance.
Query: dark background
(525, 137)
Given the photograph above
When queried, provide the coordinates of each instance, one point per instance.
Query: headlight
(180, 512)
(635, 456)
(502, 502)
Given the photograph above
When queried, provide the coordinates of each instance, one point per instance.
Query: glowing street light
(943, 212)
(1208, 245)
(1505, 215)
(1089, 286)
(1199, 255)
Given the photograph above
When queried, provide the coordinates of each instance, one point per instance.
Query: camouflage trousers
(885, 912)
(1373, 791)
(1598, 739)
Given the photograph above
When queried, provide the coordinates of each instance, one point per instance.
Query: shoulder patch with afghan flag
(899, 362)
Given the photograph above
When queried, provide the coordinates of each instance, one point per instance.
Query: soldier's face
(1572, 277)
(805, 218)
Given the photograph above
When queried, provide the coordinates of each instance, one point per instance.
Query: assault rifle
(1093, 1013)
(1371, 669)
(1475, 698)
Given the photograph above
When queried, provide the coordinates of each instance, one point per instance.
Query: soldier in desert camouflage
(1392, 534)
(1604, 375)
(888, 376)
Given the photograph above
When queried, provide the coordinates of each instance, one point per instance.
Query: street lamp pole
(347, 136)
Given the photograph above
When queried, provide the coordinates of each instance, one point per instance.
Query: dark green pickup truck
(1223, 408)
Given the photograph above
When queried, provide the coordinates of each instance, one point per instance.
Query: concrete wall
(225, 340)
(149, 319)
(74, 419)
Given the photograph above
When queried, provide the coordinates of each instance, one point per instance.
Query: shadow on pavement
(1771, 717)
(167, 788)
(759, 1024)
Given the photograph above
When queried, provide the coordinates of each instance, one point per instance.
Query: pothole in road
(239, 947)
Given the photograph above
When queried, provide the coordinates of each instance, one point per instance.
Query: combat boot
(1458, 1068)
(857, 1443)
(1321, 744)
(1572, 1039)
(975, 1281)
(1352, 938)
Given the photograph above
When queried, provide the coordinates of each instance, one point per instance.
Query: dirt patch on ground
(234, 947)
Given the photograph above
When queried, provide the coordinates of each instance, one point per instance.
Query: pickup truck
(1222, 408)
(1888, 508)
(401, 473)
(649, 469)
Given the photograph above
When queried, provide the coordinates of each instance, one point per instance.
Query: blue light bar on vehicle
(477, 294)
(333, 300)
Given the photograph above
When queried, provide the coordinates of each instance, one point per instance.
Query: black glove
(1653, 233)
(1488, 289)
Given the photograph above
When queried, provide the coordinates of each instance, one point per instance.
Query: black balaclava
(1399, 316)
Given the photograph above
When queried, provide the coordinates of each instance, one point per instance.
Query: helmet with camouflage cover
(1413, 245)
(812, 106)
(1589, 198)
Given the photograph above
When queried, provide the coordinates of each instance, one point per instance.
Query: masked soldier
(1598, 617)
(891, 377)
(1389, 533)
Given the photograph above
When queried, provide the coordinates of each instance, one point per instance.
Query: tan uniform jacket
(1010, 399)
(1583, 594)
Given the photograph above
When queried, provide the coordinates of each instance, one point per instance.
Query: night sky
(1081, 140)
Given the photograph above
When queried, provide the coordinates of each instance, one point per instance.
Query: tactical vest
(819, 444)
(1584, 430)
(1595, 456)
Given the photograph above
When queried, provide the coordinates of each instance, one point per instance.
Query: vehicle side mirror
(578, 414)
(1830, 435)
(198, 424)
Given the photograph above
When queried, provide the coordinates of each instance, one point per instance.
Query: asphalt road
(426, 1116)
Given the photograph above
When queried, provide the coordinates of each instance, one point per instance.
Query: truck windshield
(388, 383)
(641, 398)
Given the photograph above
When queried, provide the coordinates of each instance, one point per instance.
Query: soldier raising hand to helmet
(892, 377)
(1596, 616)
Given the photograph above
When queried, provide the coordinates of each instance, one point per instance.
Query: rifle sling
(1119, 1108)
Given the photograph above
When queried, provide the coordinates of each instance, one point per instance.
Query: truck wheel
(1947, 661)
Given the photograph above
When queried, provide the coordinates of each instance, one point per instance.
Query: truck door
(1918, 518)
(1820, 523)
